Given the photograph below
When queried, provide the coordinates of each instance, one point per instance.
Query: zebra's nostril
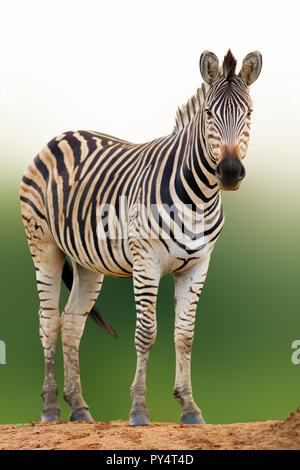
(242, 173)
(218, 172)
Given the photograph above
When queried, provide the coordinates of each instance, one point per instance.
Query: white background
(123, 67)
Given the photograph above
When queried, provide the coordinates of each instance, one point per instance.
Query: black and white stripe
(122, 209)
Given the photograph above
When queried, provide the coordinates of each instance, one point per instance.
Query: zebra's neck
(195, 178)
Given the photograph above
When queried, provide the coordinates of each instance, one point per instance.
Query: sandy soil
(117, 435)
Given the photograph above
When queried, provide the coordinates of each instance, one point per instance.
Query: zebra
(135, 210)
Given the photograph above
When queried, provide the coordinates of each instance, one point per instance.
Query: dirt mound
(118, 435)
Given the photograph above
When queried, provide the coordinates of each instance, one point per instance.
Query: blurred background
(123, 68)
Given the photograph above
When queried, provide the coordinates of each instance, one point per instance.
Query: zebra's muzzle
(230, 171)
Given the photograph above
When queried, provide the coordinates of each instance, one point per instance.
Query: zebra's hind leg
(84, 293)
(145, 291)
(49, 260)
(188, 286)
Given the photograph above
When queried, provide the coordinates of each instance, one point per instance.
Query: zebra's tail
(96, 316)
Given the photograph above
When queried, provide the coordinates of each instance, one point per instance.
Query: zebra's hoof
(82, 414)
(140, 419)
(192, 418)
(50, 415)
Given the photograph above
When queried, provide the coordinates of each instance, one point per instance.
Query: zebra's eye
(208, 113)
(249, 114)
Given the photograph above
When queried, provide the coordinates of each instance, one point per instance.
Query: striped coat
(135, 210)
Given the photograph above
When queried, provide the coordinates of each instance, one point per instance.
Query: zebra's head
(227, 113)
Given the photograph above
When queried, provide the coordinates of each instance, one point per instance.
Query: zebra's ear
(209, 67)
(251, 67)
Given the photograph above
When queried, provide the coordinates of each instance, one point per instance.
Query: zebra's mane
(186, 112)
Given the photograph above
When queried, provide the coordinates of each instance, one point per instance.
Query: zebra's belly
(113, 256)
(108, 256)
(116, 258)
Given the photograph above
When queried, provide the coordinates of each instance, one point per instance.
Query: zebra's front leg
(188, 286)
(84, 293)
(145, 292)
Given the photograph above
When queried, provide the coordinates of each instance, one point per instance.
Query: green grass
(248, 317)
